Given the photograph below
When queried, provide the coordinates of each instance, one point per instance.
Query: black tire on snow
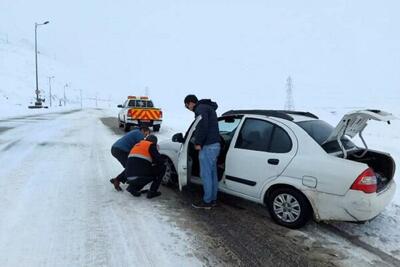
(127, 127)
(305, 208)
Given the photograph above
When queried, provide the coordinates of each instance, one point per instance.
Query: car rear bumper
(354, 206)
(362, 206)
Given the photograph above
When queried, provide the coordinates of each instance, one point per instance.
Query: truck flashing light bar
(137, 97)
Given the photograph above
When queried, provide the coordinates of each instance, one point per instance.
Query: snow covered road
(57, 208)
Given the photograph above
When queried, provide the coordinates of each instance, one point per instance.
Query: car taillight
(365, 182)
(129, 112)
(160, 114)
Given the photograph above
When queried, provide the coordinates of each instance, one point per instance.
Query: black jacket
(141, 167)
(207, 131)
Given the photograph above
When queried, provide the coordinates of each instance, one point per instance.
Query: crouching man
(145, 165)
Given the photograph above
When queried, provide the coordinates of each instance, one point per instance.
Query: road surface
(57, 208)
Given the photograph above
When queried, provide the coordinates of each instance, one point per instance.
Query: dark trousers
(122, 157)
(140, 182)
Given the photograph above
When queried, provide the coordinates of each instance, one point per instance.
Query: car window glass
(228, 125)
(227, 128)
(255, 135)
(320, 131)
(281, 142)
(138, 103)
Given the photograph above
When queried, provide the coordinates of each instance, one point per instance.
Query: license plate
(145, 120)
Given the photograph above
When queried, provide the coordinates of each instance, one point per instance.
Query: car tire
(127, 127)
(289, 207)
(170, 177)
(156, 128)
(120, 124)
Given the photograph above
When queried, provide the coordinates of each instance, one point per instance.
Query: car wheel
(156, 128)
(127, 127)
(289, 207)
(170, 177)
(120, 124)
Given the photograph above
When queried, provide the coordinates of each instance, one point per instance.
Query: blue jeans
(208, 171)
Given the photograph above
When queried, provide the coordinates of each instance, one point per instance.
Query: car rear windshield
(320, 130)
(140, 103)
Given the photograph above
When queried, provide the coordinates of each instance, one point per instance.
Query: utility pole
(38, 102)
(289, 105)
(80, 90)
(50, 77)
(65, 97)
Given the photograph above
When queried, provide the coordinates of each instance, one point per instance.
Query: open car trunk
(382, 164)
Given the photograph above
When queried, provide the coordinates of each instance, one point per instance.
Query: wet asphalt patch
(3, 129)
(111, 123)
(63, 144)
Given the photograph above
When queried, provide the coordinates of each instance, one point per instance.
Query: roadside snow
(58, 209)
(69, 190)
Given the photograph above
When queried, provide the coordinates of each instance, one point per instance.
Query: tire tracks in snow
(355, 240)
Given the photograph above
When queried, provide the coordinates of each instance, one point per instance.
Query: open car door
(184, 170)
(354, 123)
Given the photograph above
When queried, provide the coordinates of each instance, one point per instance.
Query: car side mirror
(120, 106)
(178, 137)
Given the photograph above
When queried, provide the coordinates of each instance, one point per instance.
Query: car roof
(290, 115)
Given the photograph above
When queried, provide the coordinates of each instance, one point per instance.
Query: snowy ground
(58, 209)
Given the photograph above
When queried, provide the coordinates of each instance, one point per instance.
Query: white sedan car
(294, 163)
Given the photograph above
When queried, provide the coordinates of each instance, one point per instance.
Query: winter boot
(151, 194)
(134, 193)
(115, 182)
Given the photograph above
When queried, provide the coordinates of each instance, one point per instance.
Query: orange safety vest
(141, 150)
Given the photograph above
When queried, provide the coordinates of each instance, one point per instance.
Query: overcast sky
(231, 51)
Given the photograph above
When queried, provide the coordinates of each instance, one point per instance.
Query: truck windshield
(320, 130)
(140, 103)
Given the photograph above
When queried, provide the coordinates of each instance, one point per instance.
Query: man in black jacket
(145, 165)
(207, 143)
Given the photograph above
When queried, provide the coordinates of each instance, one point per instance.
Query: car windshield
(320, 130)
(140, 103)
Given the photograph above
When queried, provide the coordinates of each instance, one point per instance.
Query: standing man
(207, 143)
(145, 165)
(120, 150)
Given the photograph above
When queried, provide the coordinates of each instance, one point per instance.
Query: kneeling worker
(145, 165)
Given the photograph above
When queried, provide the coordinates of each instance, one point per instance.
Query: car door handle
(273, 161)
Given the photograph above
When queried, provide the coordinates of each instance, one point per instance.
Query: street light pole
(38, 100)
(80, 90)
(50, 77)
(65, 98)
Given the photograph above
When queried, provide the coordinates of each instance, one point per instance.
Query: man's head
(145, 130)
(190, 102)
(152, 138)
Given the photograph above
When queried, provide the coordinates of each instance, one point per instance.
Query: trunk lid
(355, 122)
